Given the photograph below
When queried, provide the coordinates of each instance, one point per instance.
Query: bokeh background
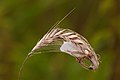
(24, 22)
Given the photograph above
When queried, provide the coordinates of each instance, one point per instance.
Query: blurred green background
(24, 22)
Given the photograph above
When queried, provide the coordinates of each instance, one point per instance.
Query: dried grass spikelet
(72, 43)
